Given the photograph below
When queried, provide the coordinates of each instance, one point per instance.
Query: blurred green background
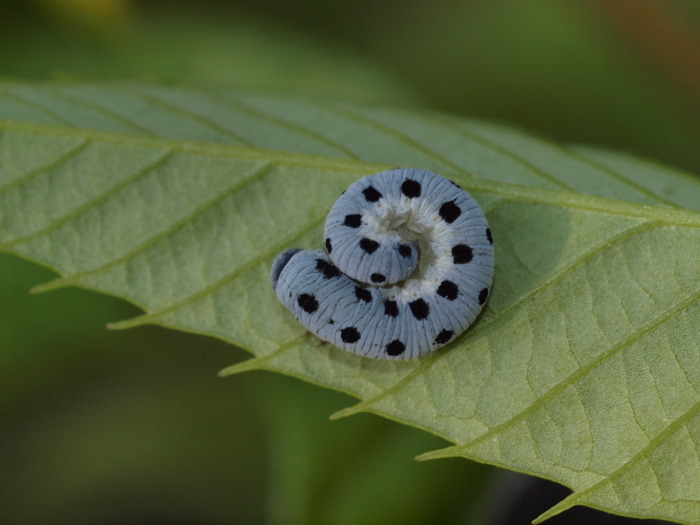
(135, 427)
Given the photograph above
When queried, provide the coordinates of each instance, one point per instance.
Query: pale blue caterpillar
(409, 266)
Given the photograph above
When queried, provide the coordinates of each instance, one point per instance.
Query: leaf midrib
(343, 111)
(193, 147)
(533, 195)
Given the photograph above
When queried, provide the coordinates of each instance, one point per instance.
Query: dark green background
(135, 427)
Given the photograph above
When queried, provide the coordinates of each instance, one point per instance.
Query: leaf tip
(346, 412)
(49, 286)
(425, 456)
(560, 507)
(139, 320)
(244, 366)
(447, 452)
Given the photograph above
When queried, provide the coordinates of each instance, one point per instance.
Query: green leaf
(585, 366)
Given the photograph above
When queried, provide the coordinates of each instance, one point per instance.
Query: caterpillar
(408, 266)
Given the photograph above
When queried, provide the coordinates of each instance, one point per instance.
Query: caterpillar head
(279, 264)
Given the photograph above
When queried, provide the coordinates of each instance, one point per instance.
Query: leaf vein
(644, 451)
(346, 112)
(474, 137)
(152, 240)
(620, 177)
(558, 198)
(175, 109)
(101, 110)
(278, 121)
(225, 279)
(583, 370)
(36, 106)
(580, 159)
(258, 362)
(492, 322)
(58, 222)
(62, 158)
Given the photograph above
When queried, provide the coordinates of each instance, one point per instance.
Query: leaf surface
(585, 365)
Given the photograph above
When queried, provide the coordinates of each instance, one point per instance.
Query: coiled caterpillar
(409, 266)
